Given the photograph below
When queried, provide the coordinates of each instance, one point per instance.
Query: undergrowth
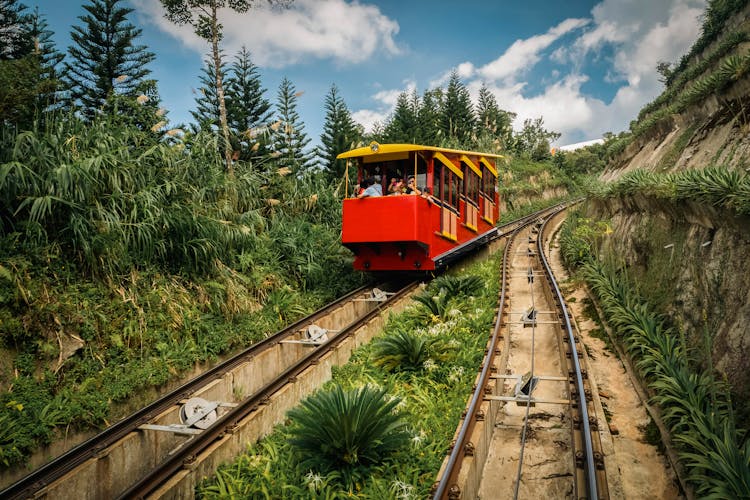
(430, 396)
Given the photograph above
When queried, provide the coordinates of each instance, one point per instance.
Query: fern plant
(457, 285)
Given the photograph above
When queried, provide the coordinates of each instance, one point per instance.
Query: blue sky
(586, 67)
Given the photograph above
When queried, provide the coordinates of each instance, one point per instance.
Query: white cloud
(524, 54)
(640, 32)
(320, 29)
(385, 104)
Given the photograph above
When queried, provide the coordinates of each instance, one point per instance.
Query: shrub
(338, 429)
(405, 350)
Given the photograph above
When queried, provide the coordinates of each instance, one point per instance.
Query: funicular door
(472, 176)
(487, 194)
(447, 188)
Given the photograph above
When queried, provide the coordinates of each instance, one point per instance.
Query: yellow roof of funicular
(383, 149)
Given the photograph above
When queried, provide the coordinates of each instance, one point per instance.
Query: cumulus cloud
(385, 104)
(639, 34)
(523, 54)
(319, 29)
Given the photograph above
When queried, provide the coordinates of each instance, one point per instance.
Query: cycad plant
(346, 429)
(457, 285)
(408, 350)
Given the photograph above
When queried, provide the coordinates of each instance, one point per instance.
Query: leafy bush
(338, 429)
(455, 286)
(408, 350)
(716, 186)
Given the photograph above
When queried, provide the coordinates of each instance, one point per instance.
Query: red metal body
(413, 232)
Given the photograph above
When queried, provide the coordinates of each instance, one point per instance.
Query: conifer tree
(457, 115)
(430, 117)
(27, 61)
(403, 126)
(246, 105)
(207, 114)
(493, 124)
(248, 111)
(203, 16)
(339, 134)
(291, 139)
(50, 60)
(104, 59)
(14, 37)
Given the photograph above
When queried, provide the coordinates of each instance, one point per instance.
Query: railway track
(168, 446)
(138, 455)
(533, 361)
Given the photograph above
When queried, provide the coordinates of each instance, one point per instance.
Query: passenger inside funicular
(397, 177)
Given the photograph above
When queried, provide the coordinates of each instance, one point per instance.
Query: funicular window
(471, 185)
(437, 180)
(450, 188)
(488, 182)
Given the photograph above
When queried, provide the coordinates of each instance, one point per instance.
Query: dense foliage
(429, 398)
(140, 252)
(696, 407)
(716, 186)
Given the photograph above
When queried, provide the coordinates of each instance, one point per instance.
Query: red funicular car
(450, 207)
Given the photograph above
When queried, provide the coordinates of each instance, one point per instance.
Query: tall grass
(140, 246)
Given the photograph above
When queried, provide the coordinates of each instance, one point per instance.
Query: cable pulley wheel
(195, 406)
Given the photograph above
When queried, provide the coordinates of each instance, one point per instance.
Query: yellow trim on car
(446, 161)
(487, 164)
(381, 149)
(472, 165)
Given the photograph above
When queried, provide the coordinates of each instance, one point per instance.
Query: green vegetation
(124, 261)
(698, 75)
(715, 186)
(343, 431)
(695, 406)
(428, 398)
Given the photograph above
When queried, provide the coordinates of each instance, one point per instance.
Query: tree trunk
(220, 90)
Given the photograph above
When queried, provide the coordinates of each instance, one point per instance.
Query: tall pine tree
(403, 126)
(291, 140)
(494, 125)
(27, 60)
(457, 116)
(207, 114)
(248, 111)
(340, 133)
(203, 16)
(15, 42)
(104, 59)
(430, 117)
(50, 60)
(246, 105)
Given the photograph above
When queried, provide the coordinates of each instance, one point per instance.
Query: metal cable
(531, 385)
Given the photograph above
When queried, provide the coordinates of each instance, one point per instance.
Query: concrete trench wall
(125, 462)
(262, 421)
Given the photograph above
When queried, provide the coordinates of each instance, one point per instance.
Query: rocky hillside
(692, 258)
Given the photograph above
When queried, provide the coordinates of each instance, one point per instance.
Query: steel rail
(451, 471)
(73, 458)
(226, 423)
(582, 403)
